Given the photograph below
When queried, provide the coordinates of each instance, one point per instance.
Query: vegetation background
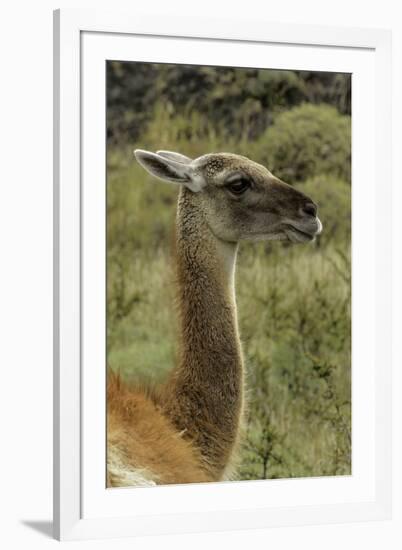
(293, 301)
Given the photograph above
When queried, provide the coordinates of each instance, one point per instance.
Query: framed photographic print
(222, 275)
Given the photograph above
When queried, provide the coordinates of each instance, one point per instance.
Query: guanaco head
(239, 198)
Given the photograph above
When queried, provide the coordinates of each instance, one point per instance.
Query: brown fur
(146, 439)
(204, 395)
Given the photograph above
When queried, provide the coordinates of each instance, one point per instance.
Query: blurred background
(293, 301)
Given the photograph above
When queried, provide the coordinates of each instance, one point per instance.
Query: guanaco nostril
(310, 208)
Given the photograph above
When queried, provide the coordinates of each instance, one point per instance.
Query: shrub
(305, 141)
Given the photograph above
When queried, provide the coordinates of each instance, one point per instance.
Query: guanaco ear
(170, 170)
(174, 156)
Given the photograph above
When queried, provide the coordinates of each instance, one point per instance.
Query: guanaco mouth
(296, 235)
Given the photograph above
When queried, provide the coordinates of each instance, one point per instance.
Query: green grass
(295, 324)
(294, 316)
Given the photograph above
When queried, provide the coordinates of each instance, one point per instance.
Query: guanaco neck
(205, 390)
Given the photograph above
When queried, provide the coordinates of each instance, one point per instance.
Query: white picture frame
(83, 507)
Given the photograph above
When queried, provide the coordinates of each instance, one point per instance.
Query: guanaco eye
(238, 185)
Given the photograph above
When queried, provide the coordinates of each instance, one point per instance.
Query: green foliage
(305, 141)
(241, 102)
(331, 88)
(298, 359)
(131, 96)
(293, 301)
(235, 102)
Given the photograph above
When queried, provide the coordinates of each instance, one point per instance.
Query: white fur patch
(122, 475)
